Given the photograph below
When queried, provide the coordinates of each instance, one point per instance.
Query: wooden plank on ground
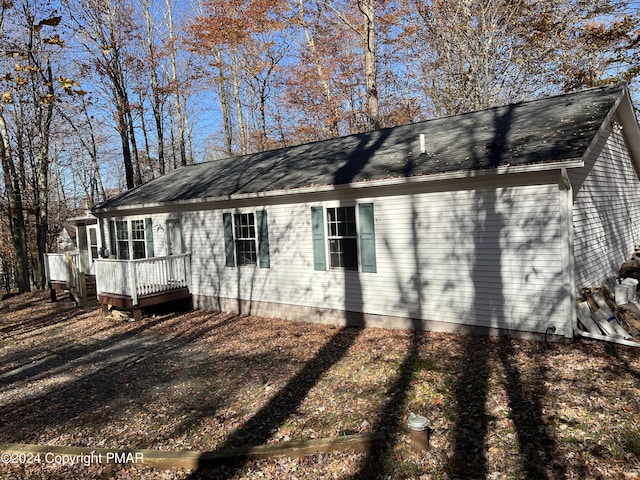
(602, 320)
(587, 293)
(193, 459)
(632, 314)
(584, 315)
(609, 338)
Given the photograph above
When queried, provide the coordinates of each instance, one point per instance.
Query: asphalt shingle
(543, 131)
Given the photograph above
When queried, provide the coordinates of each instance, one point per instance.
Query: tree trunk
(126, 149)
(16, 213)
(239, 110)
(42, 207)
(156, 100)
(132, 140)
(224, 105)
(175, 86)
(368, 9)
(332, 111)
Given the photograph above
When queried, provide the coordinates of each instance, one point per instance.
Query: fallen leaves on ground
(500, 408)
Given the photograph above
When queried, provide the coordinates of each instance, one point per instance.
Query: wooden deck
(89, 294)
(130, 284)
(125, 301)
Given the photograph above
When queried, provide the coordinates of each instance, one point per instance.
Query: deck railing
(56, 265)
(66, 267)
(134, 278)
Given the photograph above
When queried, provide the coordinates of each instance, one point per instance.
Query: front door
(174, 237)
(92, 231)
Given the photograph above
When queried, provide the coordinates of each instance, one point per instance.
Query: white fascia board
(631, 130)
(88, 219)
(389, 182)
(623, 108)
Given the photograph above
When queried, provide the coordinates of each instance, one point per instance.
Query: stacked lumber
(600, 317)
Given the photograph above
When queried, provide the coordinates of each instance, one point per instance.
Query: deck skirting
(124, 301)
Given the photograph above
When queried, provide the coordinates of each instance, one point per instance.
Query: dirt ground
(175, 381)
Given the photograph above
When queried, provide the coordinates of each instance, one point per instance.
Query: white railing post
(133, 283)
(187, 271)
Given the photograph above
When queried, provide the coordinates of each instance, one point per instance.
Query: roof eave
(627, 116)
(190, 204)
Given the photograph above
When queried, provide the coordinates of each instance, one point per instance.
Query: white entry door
(174, 238)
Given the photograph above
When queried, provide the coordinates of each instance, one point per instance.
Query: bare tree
(15, 209)
(157, 95)
(175, 85)
(366, 29)
(107, 28)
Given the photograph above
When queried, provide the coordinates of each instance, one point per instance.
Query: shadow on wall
(472, 388)
(394, 413)
(259, 428)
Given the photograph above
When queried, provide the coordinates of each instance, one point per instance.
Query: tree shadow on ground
(97, 381)
(261, 426)
(472, 420)
(391, 418)
(536, 443)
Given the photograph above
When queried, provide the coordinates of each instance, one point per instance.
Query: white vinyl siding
(606, 210)
(489, 257)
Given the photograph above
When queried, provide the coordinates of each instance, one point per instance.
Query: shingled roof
(544, 131)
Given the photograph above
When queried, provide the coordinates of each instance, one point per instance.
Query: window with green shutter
(342, 237)
(347, 235)
(131, 239)
(317, 227)
(367, 238)
(246, 239)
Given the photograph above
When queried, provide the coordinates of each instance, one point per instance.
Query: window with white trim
(131, 239)
(122, 239)
(138, 240)
(342, 236)
(245, 238)
(347, 235)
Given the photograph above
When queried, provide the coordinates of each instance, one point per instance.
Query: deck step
(91, 295)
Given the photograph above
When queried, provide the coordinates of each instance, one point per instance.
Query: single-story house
(489, 221)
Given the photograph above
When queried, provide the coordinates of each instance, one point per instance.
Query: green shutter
(317, 228)
(367, 238)
(112, 238)
(263, 239)
(228, 239)
(148, 233)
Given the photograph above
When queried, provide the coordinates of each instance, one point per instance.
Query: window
(138, 240)
(122, 240)
(131, 239)
(246, 239)
(342, 236)
(93, 241)
(348, 236)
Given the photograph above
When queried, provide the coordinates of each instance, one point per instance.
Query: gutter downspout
(568, 258)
